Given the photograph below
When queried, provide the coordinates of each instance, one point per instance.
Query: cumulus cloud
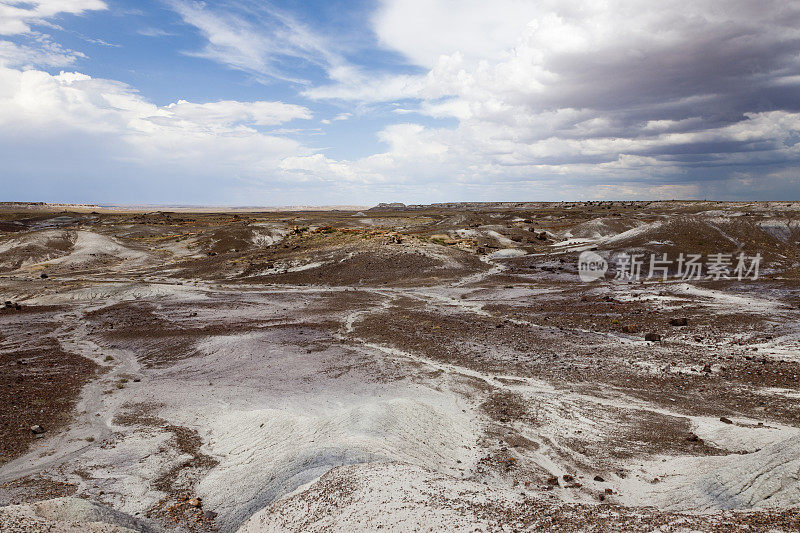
(425, 30)
(118, 129)
(551, 99)
(645, 98)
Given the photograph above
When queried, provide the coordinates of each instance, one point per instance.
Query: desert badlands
(403, 368)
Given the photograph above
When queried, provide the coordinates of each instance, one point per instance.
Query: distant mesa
(393, 206)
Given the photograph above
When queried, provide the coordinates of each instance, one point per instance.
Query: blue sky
(354, 102)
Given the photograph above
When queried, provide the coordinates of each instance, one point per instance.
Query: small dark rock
(679, 321)
(44, 276)
(694, 438)
(725, 420)
(599, 479)
(37, 429)
(652, 337)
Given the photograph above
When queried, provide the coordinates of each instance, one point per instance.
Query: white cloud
(643, 97)
(16, 19)
(115, 128)
(255, 38)
(424, 30)
(16, 16)
(155, 32)
(338, 118)
(317, 166)
(228, 113)
(551, 99)
(45, 53)
(363, 87)
(36, 101)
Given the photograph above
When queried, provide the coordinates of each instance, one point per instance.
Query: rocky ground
(405, 368)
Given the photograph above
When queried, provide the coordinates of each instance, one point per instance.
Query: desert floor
(412, 369)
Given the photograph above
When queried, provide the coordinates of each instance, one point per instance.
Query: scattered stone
(393, 238)
(552, 481)
(652, 337)
(599, 479)
(195, 502)
(568, 478)
(630, 328)
(679, 321)
(210, 515)
(37, 430)
(707, 368)
(725, 420)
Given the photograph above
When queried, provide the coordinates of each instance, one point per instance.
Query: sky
(309, 102)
